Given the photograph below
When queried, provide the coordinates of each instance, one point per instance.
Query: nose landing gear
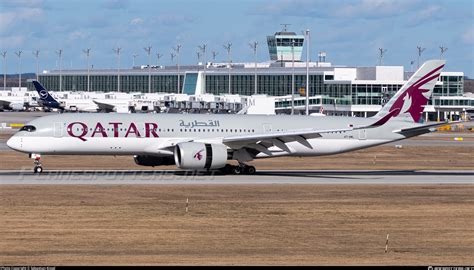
(38, 168)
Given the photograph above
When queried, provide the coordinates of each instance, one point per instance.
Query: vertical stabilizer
(410, 101)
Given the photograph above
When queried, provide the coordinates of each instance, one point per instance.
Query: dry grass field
(248, 225)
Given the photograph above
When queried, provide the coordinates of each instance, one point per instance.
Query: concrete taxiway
(104, 177)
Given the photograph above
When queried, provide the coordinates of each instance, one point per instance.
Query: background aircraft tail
(43, 93)
(410, 101)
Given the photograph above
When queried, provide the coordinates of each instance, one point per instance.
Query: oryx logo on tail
(415, 98)
(411, 99)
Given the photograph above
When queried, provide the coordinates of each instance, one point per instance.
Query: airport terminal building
(339, 90)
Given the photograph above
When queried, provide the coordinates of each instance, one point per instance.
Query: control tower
(280, 44)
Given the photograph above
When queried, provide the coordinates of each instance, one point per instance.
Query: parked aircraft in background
(17, 99)
(207, 142)
(13, 103)
(49, 102)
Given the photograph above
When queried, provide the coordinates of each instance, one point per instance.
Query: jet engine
(196, 156)
(146, 160)
(17, 106)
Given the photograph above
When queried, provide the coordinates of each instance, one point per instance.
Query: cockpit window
(28, 128)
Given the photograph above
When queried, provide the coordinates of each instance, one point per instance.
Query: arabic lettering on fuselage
(195, 123)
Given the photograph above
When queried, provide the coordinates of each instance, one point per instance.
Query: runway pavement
(262, 177)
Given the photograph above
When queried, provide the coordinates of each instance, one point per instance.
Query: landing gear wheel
(38, 169)
(37, 162)
(237, 170)
(250, 170)
(228, 169)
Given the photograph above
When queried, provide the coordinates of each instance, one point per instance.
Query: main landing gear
(38, 168)
(240, 169)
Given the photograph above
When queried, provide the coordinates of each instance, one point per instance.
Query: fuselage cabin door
(58, 130)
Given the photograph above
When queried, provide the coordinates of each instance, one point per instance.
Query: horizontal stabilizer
(423, 129)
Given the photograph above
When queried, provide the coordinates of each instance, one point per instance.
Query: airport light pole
(172, 55)
(36, 54)
(443, 50)
(214, 54)
(228, 47)
(4, 55)
(307, 72)
(292, 76)
(254, 45)
(420, 51)
(198, 54)
(382, 51)
(134, 56)
(203, 51)
(19, 67)
(148, 51)
(117, 52)
(60, 54)
(158, 56)
(177, 49)
(87, 52)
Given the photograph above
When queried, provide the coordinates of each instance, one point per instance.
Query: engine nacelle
(17, 106)
(146, 160)
(197, 156)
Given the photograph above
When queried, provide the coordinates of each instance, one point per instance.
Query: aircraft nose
(14, 143)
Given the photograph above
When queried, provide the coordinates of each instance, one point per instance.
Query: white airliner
(207, 142)
(75, 105)
(14, 103)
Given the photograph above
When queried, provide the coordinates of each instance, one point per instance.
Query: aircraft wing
(165, 147)
(4, 103)
(261, 142)
(103, 106)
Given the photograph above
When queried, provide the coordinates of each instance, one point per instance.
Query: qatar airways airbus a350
(208, 142)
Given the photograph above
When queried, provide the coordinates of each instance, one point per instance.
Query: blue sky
(349, 31)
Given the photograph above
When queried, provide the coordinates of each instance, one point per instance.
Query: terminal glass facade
(272, 84)
(452, 86)
(373, 94)
(108, 83)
